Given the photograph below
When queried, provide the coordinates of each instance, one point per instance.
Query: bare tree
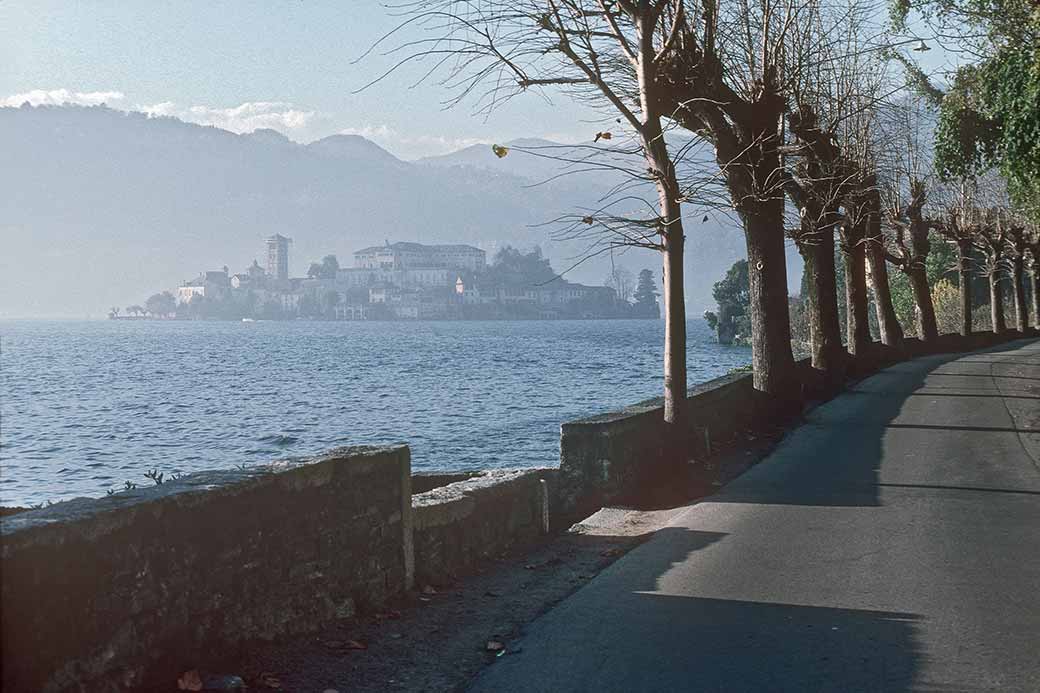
(906, 189)
(1018, 247)
(992, 238)
(610, 53)
(817, 186)
(621, 281)
(1034, 272)
(960, 228)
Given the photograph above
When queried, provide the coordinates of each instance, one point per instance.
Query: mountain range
(103, 207)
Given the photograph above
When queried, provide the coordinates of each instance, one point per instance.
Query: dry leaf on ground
(189, 681)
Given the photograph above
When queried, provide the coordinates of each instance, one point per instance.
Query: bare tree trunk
(672, 236)
(926, 326)
(1021, 309)
(1035, 275)
(828, 353)
(674, 328)
(964, 279)
(996, 302)
(854, 257)
(888, 324)
(771, 355)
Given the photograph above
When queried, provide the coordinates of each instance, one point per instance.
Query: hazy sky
(241, 65)
(284, 64)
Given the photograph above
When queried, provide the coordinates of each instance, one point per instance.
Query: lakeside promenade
(888, 544)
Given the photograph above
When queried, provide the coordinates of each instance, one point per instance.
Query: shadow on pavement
(685, 643)
(853, 427)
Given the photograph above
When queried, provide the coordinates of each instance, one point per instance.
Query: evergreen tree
(646, 295)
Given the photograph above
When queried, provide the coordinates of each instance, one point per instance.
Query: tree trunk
(888, 324)
(674, 329)
(996, 302)
(655, 151)
(854, 257)
(771, 355)
(926, 326)
(1018, 277)
(828, 353)
(1035, 274)
(964, 279)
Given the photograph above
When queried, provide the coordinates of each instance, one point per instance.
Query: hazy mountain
(102, 208)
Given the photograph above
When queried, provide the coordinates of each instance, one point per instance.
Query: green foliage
(646, 295)
(732, 293)
(161, 304)
(646, 290)
(326, 269)
(511, 267)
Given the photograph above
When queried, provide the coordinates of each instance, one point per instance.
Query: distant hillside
(101, 207)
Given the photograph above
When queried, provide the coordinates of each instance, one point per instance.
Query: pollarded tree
(991, 239)
(817, 184)
(960, 228)
(1018, 247)
(1034, 271)
(910, 245)
(906, 185)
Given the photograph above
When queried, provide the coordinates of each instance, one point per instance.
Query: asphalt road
(890, 543)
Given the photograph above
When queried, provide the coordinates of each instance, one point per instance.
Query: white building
(397, 256)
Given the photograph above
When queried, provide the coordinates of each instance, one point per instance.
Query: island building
(210, 285)
(278, 257)
(397, 256)
(404, 281)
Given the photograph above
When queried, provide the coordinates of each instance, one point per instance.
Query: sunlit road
(890, 543)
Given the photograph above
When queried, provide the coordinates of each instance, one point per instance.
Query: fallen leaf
(587, 220)
(269, 680)
(602, 136)
(611, 552)
(189, 681)
(356, 645)
(494, 646)
(530, 566)
(499, 150)
(429, 589)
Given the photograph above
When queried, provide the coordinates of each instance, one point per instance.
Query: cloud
(58, 97)
(246, 117)
(411, 146)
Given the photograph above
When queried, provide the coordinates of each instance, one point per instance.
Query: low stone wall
(457, 525)
(613, 457)
(102, 594)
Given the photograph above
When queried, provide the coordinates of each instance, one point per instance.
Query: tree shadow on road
(624, 632)
(852, 429)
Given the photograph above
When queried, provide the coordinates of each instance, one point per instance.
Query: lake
(87, 405)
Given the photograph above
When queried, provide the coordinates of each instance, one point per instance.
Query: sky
(291, 65)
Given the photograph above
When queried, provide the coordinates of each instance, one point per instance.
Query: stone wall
(457, 525)
(142, 584)
(612, 458)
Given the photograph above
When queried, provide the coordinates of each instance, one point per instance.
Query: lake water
(85, 406)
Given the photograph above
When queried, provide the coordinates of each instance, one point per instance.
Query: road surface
(890, 543)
